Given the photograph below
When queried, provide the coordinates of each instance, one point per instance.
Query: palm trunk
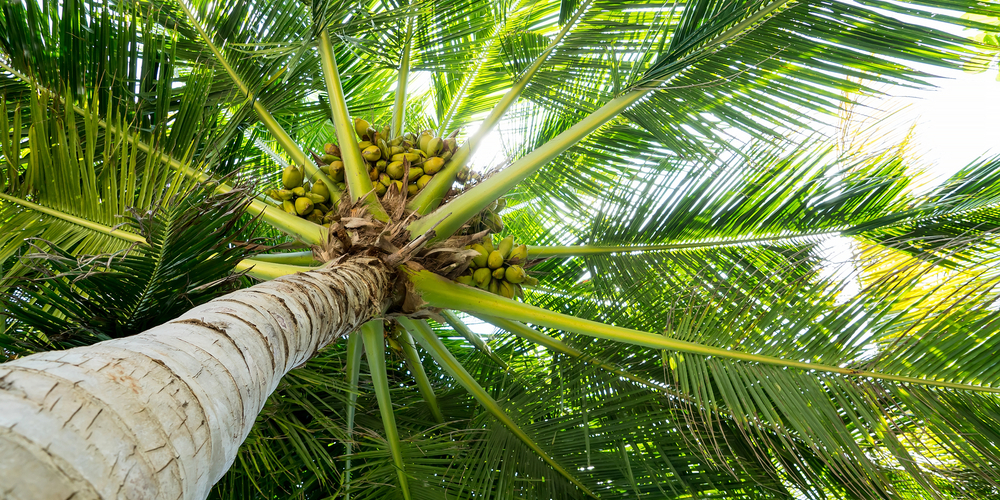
(163, 413)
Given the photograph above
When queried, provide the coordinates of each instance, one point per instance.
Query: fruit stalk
(355, 170)
(471, 202)
(404, 74)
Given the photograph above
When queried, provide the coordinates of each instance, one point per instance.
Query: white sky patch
(478, 326)
(951, 128)
(838, 253)
(952, 121)
(490, 152)
(955, 123)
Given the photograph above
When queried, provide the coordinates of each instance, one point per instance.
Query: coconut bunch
(411, 158)
(311, 201)
(464, 175)
(498, 269)
(489, 219)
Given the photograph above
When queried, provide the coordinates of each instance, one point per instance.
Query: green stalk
(471, 202)
(266, 271)
(451, 217)
(284, 140)
(537, 337)
(355, 168)
(353, 371)
(304, 258)
(373, 333)
(93, 226)
(542, 252)
(430, 197)
(446, 294)
(293, 225)
(399, 111)
(432, 344)
(419, 375)
(459, 326)
(288, 145)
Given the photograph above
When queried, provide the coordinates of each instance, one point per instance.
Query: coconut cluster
(311, 201)
(489, 219)
(409, 161)
(498, 269)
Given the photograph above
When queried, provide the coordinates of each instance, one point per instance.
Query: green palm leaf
(690, 334)
(79, 299)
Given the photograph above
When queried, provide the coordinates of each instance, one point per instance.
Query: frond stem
(355, 168)
(459, 326)
(244, 89)
(433, 345)
(353, 372)
(419, 375)
(93, 226)
(541, 252)
(537, 337)
(473, 201)
(430, 197)
(264, 270)
(279, 219)
(303, 258)
(399, 111)
(443, 293)
(284, 140)
(373, 333)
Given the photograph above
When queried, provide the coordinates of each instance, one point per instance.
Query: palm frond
(72, 166)
(80, 299)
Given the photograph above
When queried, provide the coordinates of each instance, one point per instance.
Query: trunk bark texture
(163, 413)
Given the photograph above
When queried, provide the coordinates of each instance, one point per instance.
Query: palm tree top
(648, 254)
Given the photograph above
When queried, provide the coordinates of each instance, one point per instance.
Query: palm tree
(650, 252)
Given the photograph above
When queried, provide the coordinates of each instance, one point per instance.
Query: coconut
(291, 177)
(372, 153)
(361, 127)
(303, 206)
(433, 165)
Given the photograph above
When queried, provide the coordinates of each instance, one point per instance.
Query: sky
(955, 123)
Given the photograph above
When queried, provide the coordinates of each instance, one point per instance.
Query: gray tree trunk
(163, 413)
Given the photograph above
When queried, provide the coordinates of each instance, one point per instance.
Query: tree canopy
(672, 167)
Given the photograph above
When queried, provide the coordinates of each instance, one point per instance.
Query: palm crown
(679, 332)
